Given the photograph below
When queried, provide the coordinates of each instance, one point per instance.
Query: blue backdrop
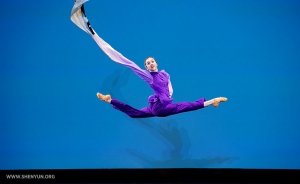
(248, 51)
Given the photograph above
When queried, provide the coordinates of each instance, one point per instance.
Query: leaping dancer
(161, 102)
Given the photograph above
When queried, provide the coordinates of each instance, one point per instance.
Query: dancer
(161, 102)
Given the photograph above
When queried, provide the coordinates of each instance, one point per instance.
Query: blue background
(50, 71)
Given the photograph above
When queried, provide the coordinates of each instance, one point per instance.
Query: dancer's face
(151, 65)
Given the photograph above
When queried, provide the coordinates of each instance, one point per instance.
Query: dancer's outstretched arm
(79, 18)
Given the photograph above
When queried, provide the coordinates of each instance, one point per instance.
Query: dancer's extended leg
(130, 111)
(176, 108)
(185, 106)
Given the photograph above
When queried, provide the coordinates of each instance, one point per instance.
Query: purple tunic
(160, 86)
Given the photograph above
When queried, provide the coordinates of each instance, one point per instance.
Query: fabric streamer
(79, 18)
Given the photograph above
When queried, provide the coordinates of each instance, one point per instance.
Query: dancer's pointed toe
(218, 100)
(106, 98)
(223, 99)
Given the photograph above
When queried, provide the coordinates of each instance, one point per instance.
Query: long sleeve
(119, 58)
(79, 18)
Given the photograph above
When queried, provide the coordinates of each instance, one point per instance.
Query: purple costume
(161, 102)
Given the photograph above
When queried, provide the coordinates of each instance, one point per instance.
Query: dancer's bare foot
(218, 100)
(106, 98)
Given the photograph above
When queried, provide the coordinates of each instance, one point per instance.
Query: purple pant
(158, 109)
